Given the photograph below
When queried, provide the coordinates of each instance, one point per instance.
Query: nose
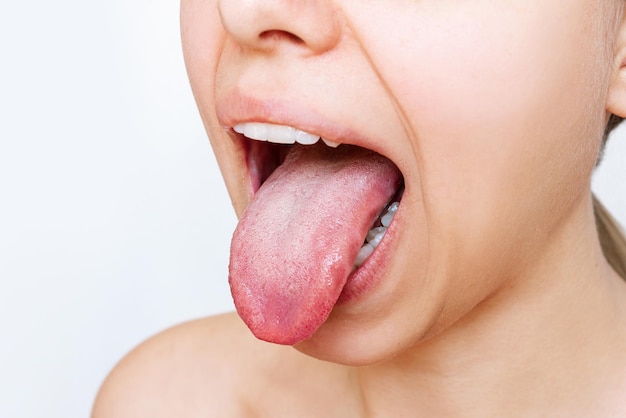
(265, 25)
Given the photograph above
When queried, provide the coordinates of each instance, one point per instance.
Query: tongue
(295, 245)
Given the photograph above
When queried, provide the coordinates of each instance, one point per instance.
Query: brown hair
(612, 238)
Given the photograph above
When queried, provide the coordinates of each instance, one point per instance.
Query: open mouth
(267, 147)
(319, 211)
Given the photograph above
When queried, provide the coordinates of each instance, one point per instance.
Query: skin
(494, 298)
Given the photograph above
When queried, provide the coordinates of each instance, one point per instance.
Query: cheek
(202, 37)
(201, 34)
(496, 101)
(505, 121)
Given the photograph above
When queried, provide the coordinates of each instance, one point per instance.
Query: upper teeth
(279, 134)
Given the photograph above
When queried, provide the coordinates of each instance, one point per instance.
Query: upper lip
(234, 108)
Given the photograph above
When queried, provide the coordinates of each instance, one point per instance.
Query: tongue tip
(278, 333)
(275, 326)
(280, 337)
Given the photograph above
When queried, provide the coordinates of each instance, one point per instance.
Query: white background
(114, 223)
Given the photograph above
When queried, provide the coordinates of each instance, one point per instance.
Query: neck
(550, 341)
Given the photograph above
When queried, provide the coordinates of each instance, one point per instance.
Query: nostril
(311, 27)
(281, 35)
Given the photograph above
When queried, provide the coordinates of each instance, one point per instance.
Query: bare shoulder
(205, 367)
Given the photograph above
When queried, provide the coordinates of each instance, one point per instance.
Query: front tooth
(260, 131)
(306, 138)
(279, 134)
(257, 131)
(330, 143)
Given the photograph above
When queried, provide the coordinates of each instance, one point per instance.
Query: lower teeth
(376, 234)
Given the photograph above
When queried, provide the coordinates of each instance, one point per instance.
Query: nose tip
(264, 25)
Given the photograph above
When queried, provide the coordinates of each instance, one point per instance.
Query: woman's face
(492, 110)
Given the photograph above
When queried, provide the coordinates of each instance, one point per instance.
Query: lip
(234, 108)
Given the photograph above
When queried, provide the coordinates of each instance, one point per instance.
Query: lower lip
(369, 275)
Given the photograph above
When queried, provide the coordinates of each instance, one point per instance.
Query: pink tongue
(295, 245)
